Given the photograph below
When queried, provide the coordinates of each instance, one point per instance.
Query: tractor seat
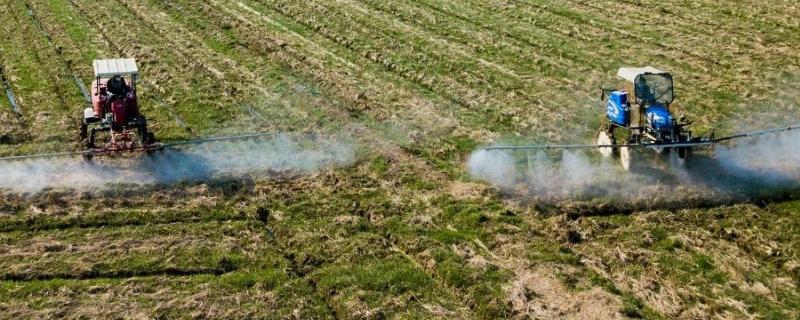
(116, 85)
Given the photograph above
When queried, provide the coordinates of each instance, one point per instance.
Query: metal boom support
(645, 145)
(160, 147)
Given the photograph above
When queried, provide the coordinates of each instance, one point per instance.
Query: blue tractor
(641, 115)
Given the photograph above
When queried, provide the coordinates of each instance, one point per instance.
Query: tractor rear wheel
(84, 131)
(88, 145)
(681, 155)
(606, 138)
(626, 157)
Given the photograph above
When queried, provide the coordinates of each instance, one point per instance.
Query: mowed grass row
(264, 293)
(81, 43)
(185, 248)
(479, 85)
(43, 89)
(740, 58)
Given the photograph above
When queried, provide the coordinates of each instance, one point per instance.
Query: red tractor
(115, 110)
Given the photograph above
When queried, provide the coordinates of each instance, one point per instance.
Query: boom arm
(708, 142)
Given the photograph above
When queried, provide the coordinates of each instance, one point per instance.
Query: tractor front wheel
(626, 157)
(605, 138)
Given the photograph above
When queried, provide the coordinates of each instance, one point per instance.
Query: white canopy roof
(107, 68)
(630, 74)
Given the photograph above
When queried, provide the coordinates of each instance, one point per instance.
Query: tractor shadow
(171, 166)
(178, 168)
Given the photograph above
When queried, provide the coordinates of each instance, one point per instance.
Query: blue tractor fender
(658, 117)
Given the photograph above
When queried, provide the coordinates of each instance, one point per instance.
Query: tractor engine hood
(658, 117)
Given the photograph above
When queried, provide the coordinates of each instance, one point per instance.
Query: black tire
(89, 141)
(84, 131)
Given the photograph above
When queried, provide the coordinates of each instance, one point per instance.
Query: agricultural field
(385, 220)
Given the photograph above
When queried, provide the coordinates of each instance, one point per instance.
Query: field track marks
(358, 86)
(530, 61)
(114, 218)
(12, 100)
(66, 64)
(38, 55)
(426, 34)
(296, 35)
(193, 46)
(417, 65)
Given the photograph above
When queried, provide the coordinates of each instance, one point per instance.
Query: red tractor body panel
(122, 104)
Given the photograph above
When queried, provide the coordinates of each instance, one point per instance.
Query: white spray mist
(298, 155)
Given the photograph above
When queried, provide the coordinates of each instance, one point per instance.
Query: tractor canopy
(108, 68)
(650, 85)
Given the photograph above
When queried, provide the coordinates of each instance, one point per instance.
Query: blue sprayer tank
(618, 109)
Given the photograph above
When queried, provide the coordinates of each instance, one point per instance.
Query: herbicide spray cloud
(747, 168)
(280, 153)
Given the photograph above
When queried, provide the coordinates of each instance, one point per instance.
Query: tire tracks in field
(120, 274)
(186, 44)
(12, 100)
(44, 223)
(516, 47)
(65, 63)
(357, 87)
(104, 252)
(484, 101)
(425, 34)
(37, 55)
